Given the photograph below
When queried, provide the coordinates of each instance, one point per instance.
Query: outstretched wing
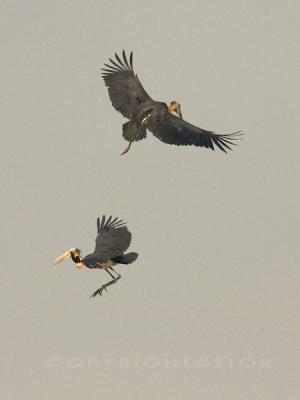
(173, 130)
(124, 88)
(113, 240)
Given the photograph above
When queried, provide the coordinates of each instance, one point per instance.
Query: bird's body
(106, 264)
(130, 98)
(112, 241)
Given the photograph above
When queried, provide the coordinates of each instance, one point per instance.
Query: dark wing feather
(113, 240)
(124, 88)
(173, 130)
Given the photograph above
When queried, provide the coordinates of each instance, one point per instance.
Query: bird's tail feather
(132, 132)
(126, 259)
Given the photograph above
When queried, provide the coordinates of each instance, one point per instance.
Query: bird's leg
(118, 275)
(127, 148)
(144, 120)
(113, 281)
(133, 139)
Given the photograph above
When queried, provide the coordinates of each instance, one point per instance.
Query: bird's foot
(99, 291)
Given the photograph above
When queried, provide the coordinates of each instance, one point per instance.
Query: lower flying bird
(112, 241)
(130, 98)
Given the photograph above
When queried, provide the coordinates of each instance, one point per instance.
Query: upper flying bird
(130, 98)
(112, 241)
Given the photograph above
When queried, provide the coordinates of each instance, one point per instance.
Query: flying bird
(113, 239)
(128, 96)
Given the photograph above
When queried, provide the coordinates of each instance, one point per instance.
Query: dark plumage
(130, 98)
(112, 241)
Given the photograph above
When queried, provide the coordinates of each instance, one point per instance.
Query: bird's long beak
(63, 257)
(178, 110)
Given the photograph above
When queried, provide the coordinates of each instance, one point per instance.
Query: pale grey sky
(217, 280)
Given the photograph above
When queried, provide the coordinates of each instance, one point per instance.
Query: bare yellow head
(175, 107)
(74, 254)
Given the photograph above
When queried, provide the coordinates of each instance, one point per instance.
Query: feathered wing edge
(119, 66)
(109, 223)
(224, 141)
(103, 226)
(172, 130)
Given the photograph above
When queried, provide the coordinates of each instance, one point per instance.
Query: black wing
(124, 88)
(173, 130)
(113, 240)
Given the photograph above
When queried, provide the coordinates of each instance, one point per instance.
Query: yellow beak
(63, 257)
(178, 111)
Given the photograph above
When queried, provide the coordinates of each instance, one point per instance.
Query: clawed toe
(99, 291)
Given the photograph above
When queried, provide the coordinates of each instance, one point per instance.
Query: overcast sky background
(217, 280)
